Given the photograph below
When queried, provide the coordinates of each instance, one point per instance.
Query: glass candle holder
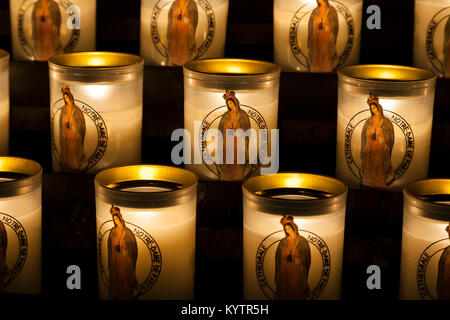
(385, 115)
(425, 263)
(146, 219)
(96, 110)
(316, 36)
(234, 103)
(20, 226)
(432, 36)
(4, 103)
(174, 32)
(293, 236)
(41, 29)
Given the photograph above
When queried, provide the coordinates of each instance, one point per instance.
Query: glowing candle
(432, 36)
(385, 115)
(96, 110)
(4, 102)
(175, 32)
(425, 263)
(20, 226)
(146, 232)
(216, 91)
(293, 236)
(43, 28)
(316, 35)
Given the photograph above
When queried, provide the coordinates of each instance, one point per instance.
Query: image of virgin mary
(181, 28)
(292, 263)
(72, 132)
(46, 26)
(443, 280)
(234, 118)
(323, 28)
(377, 141)
(122, 257)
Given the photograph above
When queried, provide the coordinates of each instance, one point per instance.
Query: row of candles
(309, 35)
(293, 227)
(293, 223)
(384, 118)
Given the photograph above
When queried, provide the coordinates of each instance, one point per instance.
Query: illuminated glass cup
(316, 36)
(432, 36)
(230, 109)
(96, 110)
(20, 226)
(425, 263)
(293, 236)
(146, 218)
(384, 121)
(41, 29)
(4, 103)
(174, 32)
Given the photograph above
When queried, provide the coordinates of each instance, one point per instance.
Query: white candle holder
(293, 236)
(4, 103)
(220, 97)
(96, 110)
(174, 32)
(20, 226)
(425, 263)
(316, 36)
(432, 36)
(146, 219)
(384, 121)
(41, 29)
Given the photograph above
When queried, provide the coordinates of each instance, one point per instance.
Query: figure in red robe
(377, 141)
(72, 131)
(323, 28)
(182, 24)
(122, 257)
(46, 26)
(292, 262)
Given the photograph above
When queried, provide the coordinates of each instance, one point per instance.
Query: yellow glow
(147, 172)
(294, 182)
(234, 69)
(387, 75)
(96, 61)
(97, 91)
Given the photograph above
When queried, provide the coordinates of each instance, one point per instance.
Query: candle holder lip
(425, 194)
(380, 73)
(327, 194)
(22, 176)
(178, 186)
(231, 67)
(96, 60)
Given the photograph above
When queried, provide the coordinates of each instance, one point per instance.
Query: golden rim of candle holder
(19, 176)
(232, 67)
(424, 195)
(4, 54)
(180, 186)
(96, 60)
(329, 194)
(387, 73)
